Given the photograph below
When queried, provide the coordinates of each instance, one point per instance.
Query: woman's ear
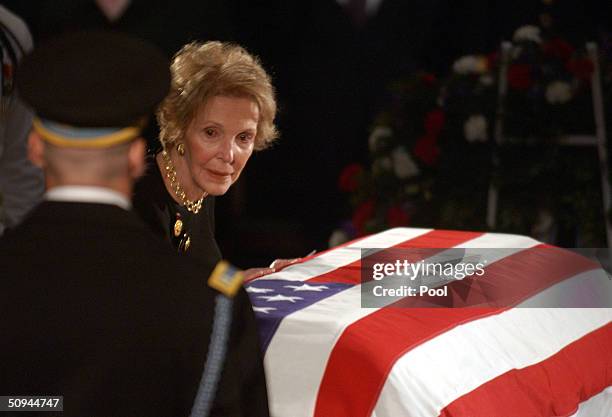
(136, 158)
(36, 149)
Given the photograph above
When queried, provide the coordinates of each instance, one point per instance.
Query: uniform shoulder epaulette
(226, 278)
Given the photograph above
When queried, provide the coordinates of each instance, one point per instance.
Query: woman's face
(219, 141)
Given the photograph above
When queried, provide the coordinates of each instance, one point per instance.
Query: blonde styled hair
(201, 71)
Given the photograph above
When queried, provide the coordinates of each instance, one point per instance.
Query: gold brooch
(178, 227)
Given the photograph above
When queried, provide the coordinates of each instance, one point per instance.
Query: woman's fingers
(253, 273)
(275, 266)
(281, 263)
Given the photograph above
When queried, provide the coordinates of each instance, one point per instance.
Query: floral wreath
(546, 190)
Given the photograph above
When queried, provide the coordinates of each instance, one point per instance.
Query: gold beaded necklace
(192, 206)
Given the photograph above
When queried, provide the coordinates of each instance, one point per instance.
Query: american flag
(326, 356)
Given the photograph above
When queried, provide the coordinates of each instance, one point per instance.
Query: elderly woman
(220, 108)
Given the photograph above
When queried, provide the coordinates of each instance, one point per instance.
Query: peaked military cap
(93, 89)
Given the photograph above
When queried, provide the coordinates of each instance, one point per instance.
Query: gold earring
(180, 148)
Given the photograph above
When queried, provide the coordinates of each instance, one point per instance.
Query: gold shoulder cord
(226, 278)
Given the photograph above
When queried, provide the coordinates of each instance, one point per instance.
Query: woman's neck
(183, 177)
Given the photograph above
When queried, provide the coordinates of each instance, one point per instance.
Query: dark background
(330, 76)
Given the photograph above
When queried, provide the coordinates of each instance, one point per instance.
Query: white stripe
(337, 258)
(599, 405)
(432, 375)
(591, 289)
(297, 355)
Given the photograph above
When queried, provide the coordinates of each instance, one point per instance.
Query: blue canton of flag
(274, 299)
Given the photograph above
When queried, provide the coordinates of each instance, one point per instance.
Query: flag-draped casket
(328, 356)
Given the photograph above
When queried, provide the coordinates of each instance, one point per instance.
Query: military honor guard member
(94, 307)
(21, 183)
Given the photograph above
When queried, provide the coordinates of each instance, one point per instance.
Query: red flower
(434, 122)
(492, 59)
(363, 213)
(558, 48)
(519, 76)
(581, 68)
(426, 149)
(349, 178)
(396, 217)
(428, 78)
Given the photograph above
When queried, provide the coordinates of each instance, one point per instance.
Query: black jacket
(96, 308)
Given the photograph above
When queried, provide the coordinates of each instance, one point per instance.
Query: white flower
(558, 92)
(544, 227)
(381, 165)
(475, 129)
(486, 79)
(403, 164)
(338, 237)
(470, 64)
(376, 139)
(527, 33)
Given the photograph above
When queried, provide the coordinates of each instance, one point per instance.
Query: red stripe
(436, 241)
(553, 387)
(368, 348)
(511, 280)
(361, 360)
(313, 256)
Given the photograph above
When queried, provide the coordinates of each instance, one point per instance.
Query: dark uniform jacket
(97, 309)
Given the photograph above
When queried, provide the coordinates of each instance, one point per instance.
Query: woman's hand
(275, 266)
(253, 273)
(279, 264)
